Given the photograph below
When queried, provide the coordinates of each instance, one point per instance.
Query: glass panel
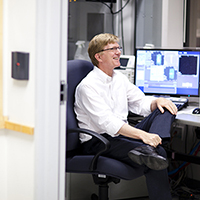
(148, 23)
(193, 24)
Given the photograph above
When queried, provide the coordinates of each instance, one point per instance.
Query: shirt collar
(103, 76)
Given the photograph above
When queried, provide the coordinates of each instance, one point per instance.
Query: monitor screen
(167, 71)
(124, 61)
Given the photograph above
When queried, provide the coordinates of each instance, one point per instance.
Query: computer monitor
(170, 72)
(127, 62)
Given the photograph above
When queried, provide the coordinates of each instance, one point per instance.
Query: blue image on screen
(168, 71)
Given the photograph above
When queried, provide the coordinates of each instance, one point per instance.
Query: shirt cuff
(114, 127)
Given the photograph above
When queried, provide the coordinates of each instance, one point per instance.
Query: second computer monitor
(167, 71)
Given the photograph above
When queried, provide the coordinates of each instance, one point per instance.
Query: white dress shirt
(102, 102)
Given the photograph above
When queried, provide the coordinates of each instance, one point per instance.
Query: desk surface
(185, 116)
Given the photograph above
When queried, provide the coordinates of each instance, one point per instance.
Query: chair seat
(106, 166)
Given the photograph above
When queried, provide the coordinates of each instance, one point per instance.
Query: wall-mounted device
(20, 65)
(127, 66)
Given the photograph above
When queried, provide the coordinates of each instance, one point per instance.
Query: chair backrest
(76, 71)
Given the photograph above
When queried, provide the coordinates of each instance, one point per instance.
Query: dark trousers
(156, 122)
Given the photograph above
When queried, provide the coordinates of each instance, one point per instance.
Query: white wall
(17, 149)
(20, 166)
(17, 166)
(3, 168)
(19, 35)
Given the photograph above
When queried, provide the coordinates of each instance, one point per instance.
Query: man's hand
(161, 103)
(148, 138)
(151, 139)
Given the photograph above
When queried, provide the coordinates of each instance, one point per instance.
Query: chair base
(102, 181)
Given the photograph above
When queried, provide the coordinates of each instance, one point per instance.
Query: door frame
(50, 121)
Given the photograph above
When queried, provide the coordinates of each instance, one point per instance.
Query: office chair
(103, 169)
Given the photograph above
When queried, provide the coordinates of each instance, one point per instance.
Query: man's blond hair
(98, 43)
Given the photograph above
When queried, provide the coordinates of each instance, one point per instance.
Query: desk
(186, 117)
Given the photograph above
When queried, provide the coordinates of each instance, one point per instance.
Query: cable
(111, 6)
(113, 13)
(122, 30)
(185, 164)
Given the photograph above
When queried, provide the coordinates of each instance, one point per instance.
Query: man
(102, 102)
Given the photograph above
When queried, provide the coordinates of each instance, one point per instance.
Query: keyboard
(180, 103)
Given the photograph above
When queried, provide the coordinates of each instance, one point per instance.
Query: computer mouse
(196, 111)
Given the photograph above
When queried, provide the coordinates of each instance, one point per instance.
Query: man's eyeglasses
(114, 49)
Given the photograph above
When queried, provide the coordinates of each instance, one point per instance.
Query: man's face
(111, 55)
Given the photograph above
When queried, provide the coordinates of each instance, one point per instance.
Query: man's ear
(98, 57)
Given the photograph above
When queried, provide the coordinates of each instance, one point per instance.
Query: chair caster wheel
(94, 197)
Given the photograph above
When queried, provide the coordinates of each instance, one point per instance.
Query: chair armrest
(134, 119)
(106, 143)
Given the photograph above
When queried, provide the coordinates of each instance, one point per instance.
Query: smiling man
(102, 102)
